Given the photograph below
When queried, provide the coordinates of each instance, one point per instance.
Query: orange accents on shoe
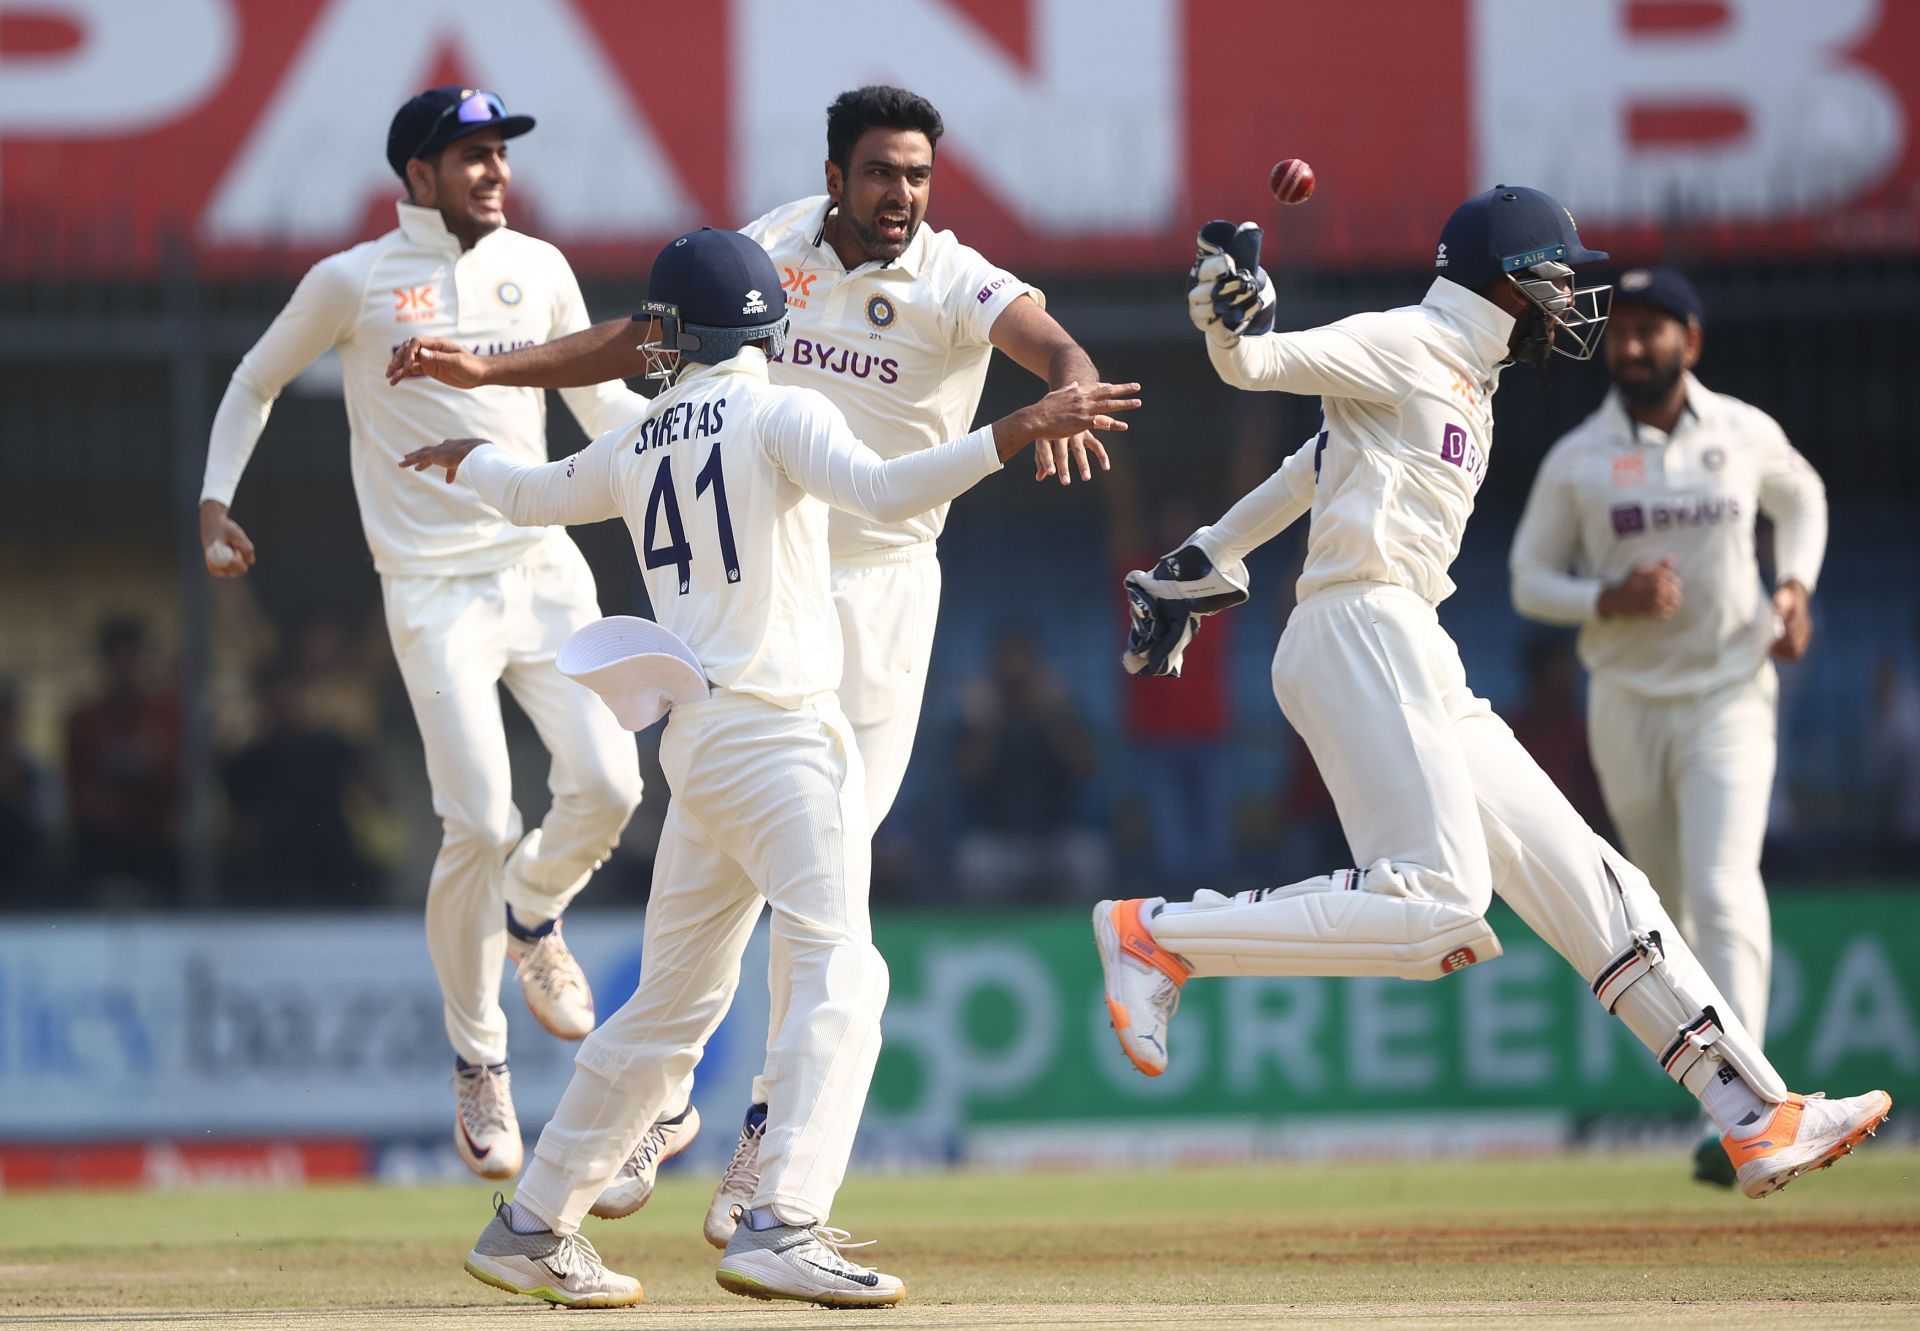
(1778, 1133)
(1138, 943)
(1803, 1134)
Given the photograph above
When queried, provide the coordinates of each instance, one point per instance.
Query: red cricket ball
(1291, 181)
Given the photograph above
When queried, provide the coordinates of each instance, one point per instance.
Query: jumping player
(472, 602)
(721, 485)
(896, 323)
(1440, 804)
(1640, 529)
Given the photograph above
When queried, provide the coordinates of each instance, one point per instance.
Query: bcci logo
(508, 293)
(756, 304)
(1457, 960)
(880, 312)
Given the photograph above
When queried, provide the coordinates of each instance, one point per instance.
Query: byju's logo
(756, 304)
(1453, 445)
(1629, 519)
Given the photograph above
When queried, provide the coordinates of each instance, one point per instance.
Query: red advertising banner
(1084, 135)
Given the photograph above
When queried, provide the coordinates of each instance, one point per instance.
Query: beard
(1651, 390)
(877, 246)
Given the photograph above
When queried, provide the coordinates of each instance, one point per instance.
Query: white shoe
(804, 1263)
(742, 1179)
(1802, 1134)
(1143, 982)
(634, 1183)
(554, 985)
(545, 1265)
(486, 1131)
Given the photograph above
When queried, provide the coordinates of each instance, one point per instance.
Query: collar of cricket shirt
(910, 259)
(1629, 429)
(1486, 327)
(425, 226)
(747, 360)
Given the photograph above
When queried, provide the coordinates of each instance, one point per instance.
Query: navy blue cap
(429, 121)
(1508, 228)
(721, 279)
(1664, 289)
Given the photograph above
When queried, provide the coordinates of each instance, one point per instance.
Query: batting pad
(1339, 929)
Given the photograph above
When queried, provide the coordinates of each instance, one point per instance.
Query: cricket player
(722, 486)
(896, 323)
(1440, 804)
(1640, 530)
(472, 601)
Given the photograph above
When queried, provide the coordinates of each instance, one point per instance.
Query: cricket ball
(1291, 181)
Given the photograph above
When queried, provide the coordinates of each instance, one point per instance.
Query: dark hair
(877, 105)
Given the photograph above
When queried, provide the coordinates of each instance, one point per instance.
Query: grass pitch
(1582, 1240)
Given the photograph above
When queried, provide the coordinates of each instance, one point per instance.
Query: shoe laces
(744, 1169)
(576, 1256)
(836, 1242)
(646, 1156)
(550, 964)
(485, 1097)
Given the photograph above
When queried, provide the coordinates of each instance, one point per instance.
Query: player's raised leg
(449, 641)
(1355, 677)
(1600, 913)
(594, 777)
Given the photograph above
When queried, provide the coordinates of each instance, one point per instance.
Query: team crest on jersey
(880, 312)
(509, 293)
(1629, 469)
(1714, 458)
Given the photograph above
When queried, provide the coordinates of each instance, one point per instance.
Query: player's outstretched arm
(811, 442)
(571, 491)
(606, 351)
(1266, 510)
(1035, 341)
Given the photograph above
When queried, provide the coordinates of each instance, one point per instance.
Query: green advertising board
(998, 1019)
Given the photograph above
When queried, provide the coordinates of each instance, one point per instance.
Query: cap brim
(640, 669)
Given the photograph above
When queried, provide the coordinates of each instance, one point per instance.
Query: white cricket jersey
(508, 291)
(902, 347)
(721, 486)
(1406, 411)
(1614, 493)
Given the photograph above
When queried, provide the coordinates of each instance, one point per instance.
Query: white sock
(1732, 1103)
(522, 1221)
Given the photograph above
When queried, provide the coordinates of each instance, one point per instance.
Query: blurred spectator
(123, 776)
(26, 814)
(1551, 725)
(1893, 748)
(1022, 762)
(292, 792)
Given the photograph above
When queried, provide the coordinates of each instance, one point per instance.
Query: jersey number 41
(662, 504)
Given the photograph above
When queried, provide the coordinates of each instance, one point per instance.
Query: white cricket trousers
(888, 602)
(457, 640)
(1687, 782)
(768, 804)
(1441, 803)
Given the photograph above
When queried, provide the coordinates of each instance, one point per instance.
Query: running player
(472, 602)
(720, 485)
(1440, 804)
(896, 323)
(1640, 529)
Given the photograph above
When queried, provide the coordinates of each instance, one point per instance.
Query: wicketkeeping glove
(1229, 294)
(1165, 607)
